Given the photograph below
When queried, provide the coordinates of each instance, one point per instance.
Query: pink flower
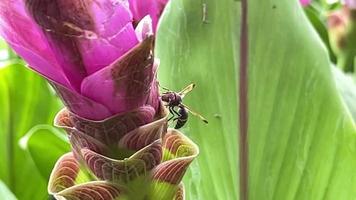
(97, 54)
(305, 2)
(142, 8)
(350, 3)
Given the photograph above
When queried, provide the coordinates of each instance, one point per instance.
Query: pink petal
(350, 4)
(126, 83)
(62, 21)
(337, 19)
(80, 32)
(305, 2)
(26, 38)
(80, 105)
(163, 2)
(144, 28)
(114, 34)
(101, 52)
(141, 8)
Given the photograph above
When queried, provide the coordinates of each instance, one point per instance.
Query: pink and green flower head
(98, 55)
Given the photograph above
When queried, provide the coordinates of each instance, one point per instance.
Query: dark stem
(243, 92)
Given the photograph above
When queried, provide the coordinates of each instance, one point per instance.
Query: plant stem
(244, 103)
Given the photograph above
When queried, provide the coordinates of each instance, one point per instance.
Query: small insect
(183, 117)
(174, 100)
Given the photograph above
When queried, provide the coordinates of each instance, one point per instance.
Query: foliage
(26, 101)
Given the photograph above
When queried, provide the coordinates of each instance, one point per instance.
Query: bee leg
(177, 118)
(175, 112)
(172, 111)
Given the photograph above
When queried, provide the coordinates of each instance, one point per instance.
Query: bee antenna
(164, 88)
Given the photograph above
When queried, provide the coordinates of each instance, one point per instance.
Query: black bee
(174, 100)
(182, 117)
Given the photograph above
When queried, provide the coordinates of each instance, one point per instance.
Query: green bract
(122, 159)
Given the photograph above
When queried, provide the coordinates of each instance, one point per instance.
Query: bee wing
(195, 114)
(186, 90)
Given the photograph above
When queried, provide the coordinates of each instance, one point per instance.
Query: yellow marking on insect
(196, 114)
(186, 90)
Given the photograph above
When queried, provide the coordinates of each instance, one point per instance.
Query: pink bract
(80, 47)
(305, 2)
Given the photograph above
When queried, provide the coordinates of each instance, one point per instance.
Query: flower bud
(342, 34)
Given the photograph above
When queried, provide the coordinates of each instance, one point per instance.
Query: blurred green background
(28, 106)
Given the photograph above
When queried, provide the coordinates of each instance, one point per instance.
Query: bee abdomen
(180, 123)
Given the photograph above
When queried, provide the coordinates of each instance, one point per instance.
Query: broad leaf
(300, 131)
(347, 87)
(301, 134)
(45, 145)
(26, 101)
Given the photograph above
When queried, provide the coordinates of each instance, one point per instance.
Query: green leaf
(5, 193)
(301, 135)
(347, 88)
(26, 101)
(45, 145)
(194, 50)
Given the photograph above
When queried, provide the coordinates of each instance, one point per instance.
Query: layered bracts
(122, 157)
